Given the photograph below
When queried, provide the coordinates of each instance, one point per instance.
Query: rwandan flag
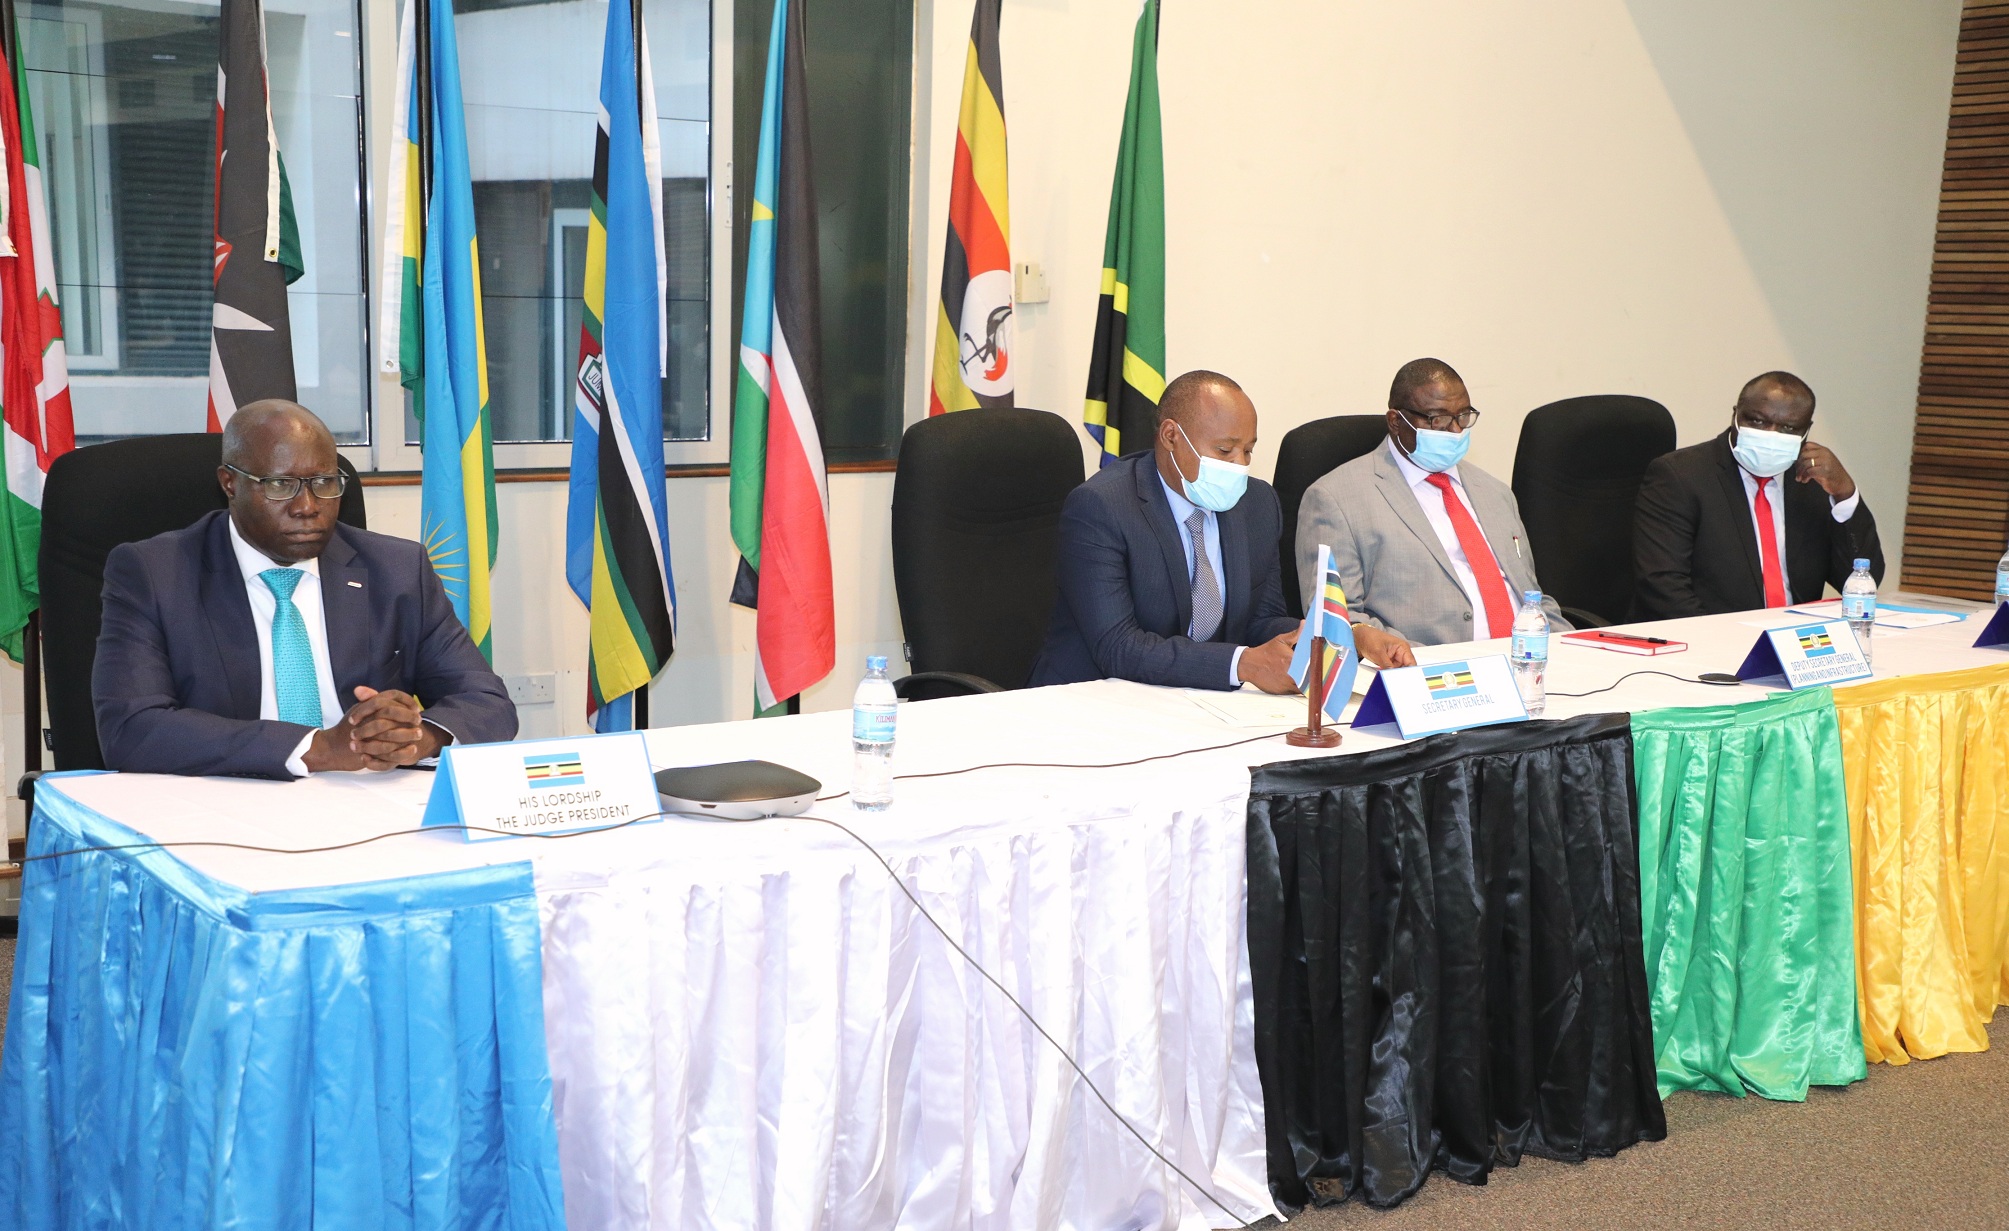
(34, 376)
(973, 332)
(1340, 660)
(1126, 372)
(432, 313)
(617, 542)
(780, 506)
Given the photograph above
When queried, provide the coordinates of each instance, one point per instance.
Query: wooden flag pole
(1314, 733)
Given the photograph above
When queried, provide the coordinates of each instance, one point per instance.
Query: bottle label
(2002, 583)
(873, 724)
(1530, 647)
(1858, 606)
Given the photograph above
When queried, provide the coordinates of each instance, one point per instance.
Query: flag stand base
(1314, 734)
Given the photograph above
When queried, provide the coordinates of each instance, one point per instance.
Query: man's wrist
(1235, 667)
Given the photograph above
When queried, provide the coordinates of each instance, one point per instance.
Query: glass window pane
(530, 77)
(124, 97)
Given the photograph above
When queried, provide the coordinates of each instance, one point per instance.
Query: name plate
(1995, 635)
(1477, 692)
(543, 786)
(1805, 656)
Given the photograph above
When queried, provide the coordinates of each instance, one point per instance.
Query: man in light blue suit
(270, 641)
(1168, 560)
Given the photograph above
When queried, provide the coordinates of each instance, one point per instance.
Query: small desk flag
(1329, 619)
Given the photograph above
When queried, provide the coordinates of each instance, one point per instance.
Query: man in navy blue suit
(269, 641)
(1168, 561)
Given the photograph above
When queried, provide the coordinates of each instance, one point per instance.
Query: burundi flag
(257, 243)
(1338, 659)
(617, 541)
(973, 331)
(34, 376)
(432, 313)
(780, 506)
(1126, 371)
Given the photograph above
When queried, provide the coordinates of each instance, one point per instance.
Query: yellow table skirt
(1926, 760)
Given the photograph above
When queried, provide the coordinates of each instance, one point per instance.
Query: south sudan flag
(1126, 373)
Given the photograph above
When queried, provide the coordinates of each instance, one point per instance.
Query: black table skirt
(1445, 951)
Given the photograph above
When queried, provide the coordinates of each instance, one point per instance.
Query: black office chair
(1576, 476)
(95, 499)
(1309, 452)
(976, 517)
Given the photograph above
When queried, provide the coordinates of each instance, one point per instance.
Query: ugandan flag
(1126, 372)
(973, 332)
(432, 331)
(617, 544)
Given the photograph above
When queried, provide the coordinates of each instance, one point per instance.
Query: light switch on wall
(1031, 281)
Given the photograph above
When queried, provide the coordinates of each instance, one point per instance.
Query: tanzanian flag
(617, 544)
(1126, 372)
(432, 313)
(973, 330)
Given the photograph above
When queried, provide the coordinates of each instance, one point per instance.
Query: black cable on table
(1726, 682)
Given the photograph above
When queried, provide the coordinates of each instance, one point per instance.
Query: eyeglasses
(1442, 423)
(286, 486)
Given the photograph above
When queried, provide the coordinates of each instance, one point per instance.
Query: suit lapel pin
(356, 584)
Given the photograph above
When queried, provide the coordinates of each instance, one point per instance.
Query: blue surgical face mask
(1220, 485)
(1766, 454)
(1439, 451)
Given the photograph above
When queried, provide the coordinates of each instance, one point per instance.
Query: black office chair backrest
(976, 517)
(95, 498)
(1576, 475)
(1309, 452)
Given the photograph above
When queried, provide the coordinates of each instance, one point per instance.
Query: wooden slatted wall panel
(1958, 515)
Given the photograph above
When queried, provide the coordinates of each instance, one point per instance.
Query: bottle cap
(1531, 596)
(875, 662)
(1863, 565)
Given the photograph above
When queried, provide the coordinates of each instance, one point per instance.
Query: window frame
(387, 453)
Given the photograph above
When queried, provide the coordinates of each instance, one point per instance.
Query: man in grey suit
(1428, 546)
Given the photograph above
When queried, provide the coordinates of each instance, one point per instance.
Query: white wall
(1661, 197)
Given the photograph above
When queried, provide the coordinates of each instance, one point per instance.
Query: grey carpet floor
(1922, 1147)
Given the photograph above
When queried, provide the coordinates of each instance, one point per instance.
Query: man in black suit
(1168, 560)
(270, 641)
(1758, 517)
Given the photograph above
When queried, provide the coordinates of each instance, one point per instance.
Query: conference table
(691, 1023)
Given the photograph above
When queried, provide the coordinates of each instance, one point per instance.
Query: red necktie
(1768, 547)
(1492, 586)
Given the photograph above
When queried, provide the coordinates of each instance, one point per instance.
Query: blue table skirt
(182, 1054)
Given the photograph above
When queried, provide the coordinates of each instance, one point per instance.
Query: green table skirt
(1748, 914)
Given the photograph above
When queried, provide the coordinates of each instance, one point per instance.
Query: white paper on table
(1886, 618)
(1246, 707)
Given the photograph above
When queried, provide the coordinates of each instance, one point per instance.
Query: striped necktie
(295, 685)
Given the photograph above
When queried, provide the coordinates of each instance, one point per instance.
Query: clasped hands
(1267, 666)
(383, 730)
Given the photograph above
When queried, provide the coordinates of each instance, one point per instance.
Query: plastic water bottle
(2002, 580)
(1859, 605)
(1530, 653)
(874, 711)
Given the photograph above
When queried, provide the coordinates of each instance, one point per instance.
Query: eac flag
(1126, 370)
(35, 382)
(780, 505)
(432, 314)
(973, 330)
(617, 541)
(1329, 619)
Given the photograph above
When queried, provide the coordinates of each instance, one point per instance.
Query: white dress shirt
(1432, 501)
(264, 605)
(1182, 509)
(1775, 495)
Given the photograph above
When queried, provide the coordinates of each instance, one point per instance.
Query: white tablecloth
(750, 1026)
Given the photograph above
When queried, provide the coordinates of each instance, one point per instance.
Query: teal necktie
(294, 683)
